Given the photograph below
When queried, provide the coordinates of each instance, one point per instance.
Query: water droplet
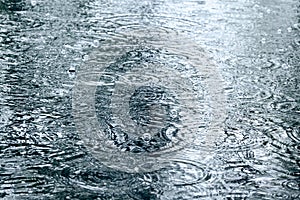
(279, 31)
(296, 26)
(96, 43)
(33, 2)
(86, 57)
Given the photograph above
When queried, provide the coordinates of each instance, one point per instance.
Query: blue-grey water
(149, 99)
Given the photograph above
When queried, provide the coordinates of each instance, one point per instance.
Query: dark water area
(150, 99)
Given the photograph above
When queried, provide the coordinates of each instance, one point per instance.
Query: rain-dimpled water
(149, 99)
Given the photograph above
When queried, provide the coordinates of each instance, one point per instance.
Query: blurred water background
(255, 45)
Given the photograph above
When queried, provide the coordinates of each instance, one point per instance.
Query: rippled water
(149, 99)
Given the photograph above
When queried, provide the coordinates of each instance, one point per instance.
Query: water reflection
(254, 43)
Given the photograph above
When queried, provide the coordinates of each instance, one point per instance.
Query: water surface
(50, 49)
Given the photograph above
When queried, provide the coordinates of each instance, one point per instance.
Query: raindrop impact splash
(143, 98)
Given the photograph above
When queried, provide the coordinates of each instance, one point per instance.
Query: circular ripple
(146, 114)
(294, 133)
(143, 97)
(291, 184)
(185, 173)
(283, 106)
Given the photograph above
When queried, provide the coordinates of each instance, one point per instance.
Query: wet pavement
(88, 92)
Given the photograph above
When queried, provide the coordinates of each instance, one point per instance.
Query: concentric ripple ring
(142, 98)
